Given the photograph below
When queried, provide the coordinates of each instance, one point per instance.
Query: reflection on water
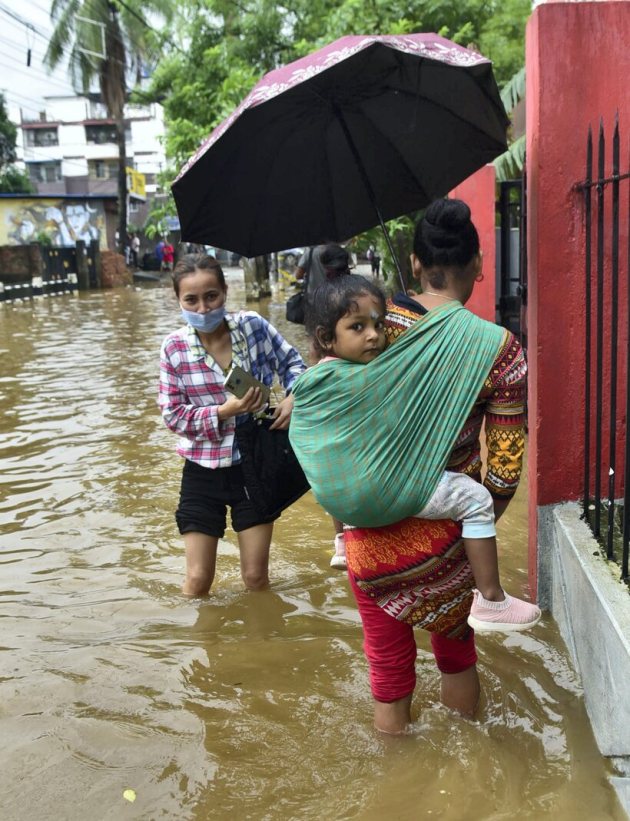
(253, 706)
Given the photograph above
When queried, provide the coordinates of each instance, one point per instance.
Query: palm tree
(509, 165)
(105, 40)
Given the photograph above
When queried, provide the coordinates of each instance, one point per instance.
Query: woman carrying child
(399, 422)
(194, 362)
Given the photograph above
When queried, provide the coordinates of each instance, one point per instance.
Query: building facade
(70, 150)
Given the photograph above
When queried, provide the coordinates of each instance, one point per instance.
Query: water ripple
(253, 706)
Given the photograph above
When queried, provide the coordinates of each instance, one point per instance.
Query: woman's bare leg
(254, 545)
(393, 717)
(201, 558)
(461, 691)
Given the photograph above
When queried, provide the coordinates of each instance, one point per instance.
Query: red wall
(578, 70)
(478, 191)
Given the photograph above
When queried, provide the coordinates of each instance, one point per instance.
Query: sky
(26, 24)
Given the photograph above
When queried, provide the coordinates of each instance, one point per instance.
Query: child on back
(332, 261)
(346, 320)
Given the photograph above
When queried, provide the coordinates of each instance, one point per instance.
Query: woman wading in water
(399, 421)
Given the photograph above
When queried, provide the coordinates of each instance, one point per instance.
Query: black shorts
(205, 495)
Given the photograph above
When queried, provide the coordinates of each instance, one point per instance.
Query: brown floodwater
(247, 706)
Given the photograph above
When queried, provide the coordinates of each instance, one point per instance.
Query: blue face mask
(206, 323)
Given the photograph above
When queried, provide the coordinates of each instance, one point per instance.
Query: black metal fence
(54, 271)
(606, 194)
(511, 257)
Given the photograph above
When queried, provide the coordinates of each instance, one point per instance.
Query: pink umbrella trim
(279, 80)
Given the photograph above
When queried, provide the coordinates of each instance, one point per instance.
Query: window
(100, 134)
(42, 137)
(102, 169)
(133, 206)
(106, 133)
(44, 171)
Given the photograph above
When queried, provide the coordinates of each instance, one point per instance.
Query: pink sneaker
(338, 560)
(508, 616)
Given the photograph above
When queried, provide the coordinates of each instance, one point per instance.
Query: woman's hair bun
(449, 215)
(446, 236)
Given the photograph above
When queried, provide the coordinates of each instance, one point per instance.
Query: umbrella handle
(370, 190)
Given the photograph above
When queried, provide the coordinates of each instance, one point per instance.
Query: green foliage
(8, 137)
(514, 90)
(130, 42)
(502, 38)
(43, 237)
(162, 206)
(509, 166)
(230, 45)
(14, 181)
(108, 41)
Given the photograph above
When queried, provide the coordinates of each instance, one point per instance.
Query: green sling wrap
(373, 440)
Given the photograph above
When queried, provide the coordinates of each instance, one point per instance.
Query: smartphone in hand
(239, 382)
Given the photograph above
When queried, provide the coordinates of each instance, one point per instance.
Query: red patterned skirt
(416, 570)
(411, 574)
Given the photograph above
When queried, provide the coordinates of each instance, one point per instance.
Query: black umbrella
(361, 131)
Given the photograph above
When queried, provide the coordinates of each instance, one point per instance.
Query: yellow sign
(136, 182)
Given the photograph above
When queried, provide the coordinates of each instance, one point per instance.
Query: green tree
(106, 41)
(230, 45)
(12, 180)
(8, 137)
(510, 164)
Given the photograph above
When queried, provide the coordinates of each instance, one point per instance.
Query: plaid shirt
(191, 384)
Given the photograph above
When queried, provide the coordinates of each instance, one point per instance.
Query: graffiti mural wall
(62, 221)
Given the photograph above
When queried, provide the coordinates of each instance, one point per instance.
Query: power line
(22, 21)
(45, 9)
(46, 36)
(34, 104)
(34, 73)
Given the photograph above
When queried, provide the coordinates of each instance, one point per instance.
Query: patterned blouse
(191, 384)
(501, 403)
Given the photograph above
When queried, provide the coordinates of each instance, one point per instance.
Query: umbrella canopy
(365, 129)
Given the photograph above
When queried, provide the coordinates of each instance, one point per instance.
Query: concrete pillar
(478, 192)
(578, 65)
(83, 273)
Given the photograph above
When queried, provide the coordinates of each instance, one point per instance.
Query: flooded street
(245, 706)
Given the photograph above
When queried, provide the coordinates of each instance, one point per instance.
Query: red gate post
(578, 65)
(478, 191)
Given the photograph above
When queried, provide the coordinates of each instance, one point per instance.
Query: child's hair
(189, 263)
(445, 237)
(335, 261)
(331, 301)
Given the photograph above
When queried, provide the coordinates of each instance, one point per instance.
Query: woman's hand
(282, 414)
(251, 402)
